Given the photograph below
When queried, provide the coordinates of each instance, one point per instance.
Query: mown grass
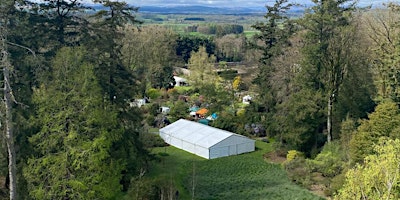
(246, 176)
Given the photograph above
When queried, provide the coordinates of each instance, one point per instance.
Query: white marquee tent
(205, 141)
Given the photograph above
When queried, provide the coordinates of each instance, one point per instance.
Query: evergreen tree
(274, 36)
(327, 54)
(72, 158)
(118, 84)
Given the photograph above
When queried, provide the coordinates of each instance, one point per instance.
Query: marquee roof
(197, 133)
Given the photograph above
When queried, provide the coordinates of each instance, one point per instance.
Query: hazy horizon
(233, 3)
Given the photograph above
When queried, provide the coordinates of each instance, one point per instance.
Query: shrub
(330, 161)
(297, 169)
(150, 140)
(293, 154)
(153, 93)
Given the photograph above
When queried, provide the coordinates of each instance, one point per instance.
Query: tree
(7, 8)
(384, 122)
(274, 37)
(186, 44)
(302, 121)
(150, 52)
(328, 51)
(382, 33)
(201, 67)
(378, 177)
(118, 85)
(118, 80)
(230, 47)
(72, 158)
(60, 17)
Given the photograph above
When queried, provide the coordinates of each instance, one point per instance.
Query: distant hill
(199, 9)
(208, 10)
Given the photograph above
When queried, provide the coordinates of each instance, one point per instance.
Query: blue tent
(194, 109)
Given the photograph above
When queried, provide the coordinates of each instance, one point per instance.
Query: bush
(298, 169)
(330, 161)
(337, 183)
(153, 93)
(293, 154)
(150, 140)
(173, 94)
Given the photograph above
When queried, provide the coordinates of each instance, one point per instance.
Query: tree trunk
(329, 121)
(8, 118)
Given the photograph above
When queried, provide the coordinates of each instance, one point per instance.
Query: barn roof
(197, 133)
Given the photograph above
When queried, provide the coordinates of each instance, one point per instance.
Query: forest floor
(3, 191)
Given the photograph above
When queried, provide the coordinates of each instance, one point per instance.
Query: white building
(205, 141)
(246, 99)
(180, 81)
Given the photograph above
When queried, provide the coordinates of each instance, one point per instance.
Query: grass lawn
(245, 176)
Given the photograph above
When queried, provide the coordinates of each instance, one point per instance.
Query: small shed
(205, 141)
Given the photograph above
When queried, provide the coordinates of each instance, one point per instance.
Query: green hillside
(246, 176)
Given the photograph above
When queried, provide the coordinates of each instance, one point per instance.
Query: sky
(234, 3)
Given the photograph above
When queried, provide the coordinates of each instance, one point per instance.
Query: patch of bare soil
(274, 157)
(318, 188)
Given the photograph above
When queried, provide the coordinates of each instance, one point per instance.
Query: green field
(246, 176)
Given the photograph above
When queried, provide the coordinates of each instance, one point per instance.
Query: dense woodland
(325, 90)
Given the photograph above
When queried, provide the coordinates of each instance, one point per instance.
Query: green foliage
(298, 171)
(153, 93)
(201, 67)
(150, 53)
(331, 161)
(151, 140)
(273, 37)
(302, 121)
(162, 77)
(385, 50)
(3, 159)
(230, 48)
(72, 148)
(377, 178)
(226, 29)
(230, 122)
(186, 44)
(236, 83)
(158, 188)
(384, 122)
(293, 154)
(245, 176)
(180, 110)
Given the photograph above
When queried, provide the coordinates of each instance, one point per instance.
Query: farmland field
(246, 176)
